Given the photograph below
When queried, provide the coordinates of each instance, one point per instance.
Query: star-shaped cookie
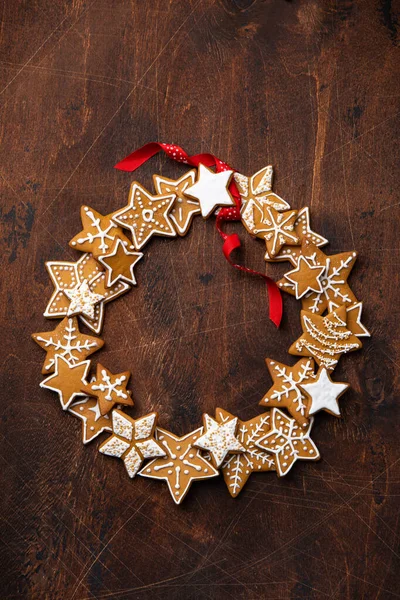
(276, 228)
(182, 465)
(324, 393)
(333, 279)
(67, 341)
(109, 389)
(286, 391)
(211, 190)
(305, 278)
(98, 234)
(119, 264)
(68, 275)
(302, 229)
(288, 441)
(146, 215)
(132, 440)
(219, 439)
(354, 312)
(67, 380)
(93, 423)
(325, 338)
(184, 208)
(82, 300)
(237, 468)
(256, 191)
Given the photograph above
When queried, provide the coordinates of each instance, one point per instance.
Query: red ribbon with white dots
(231, 242)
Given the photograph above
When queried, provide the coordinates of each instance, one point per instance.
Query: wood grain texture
(309, 86)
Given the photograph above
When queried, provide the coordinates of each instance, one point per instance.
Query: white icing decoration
(211, 190)
(324, 393)
(219, 439)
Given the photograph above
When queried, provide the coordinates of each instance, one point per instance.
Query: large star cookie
(286, 392)
(325, 338)
(67, 341)
(288, 442)
(184, 208)
(67, 380)
(182, 465)
(132, 440)
(211, 190)
(98, 234)
(109, 389)
(93, 423)
(302, 229)
(237, 468)
(275, 228)
(324, 393)
(219, 439)
(69, 276)
(319, 279)
(146, 215)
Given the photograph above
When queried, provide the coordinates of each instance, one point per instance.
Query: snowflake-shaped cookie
(132, 440)
(288, 442)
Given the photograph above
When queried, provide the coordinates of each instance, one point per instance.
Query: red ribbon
(231, 242)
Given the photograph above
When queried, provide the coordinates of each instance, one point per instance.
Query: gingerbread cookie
(237, 468)
(332, 280)
(184, 208)
(302, 229)
(93, 423)
(288, 441)
(119, 264)
(98, 234)
(67, 380)
(286, 391)
(109, 389)
(146, 215)
(182, 465)
(325, 338)
(276, 228)
(69, 276)
(324, 393)
(211, 190)
(132, 440)
(67, 341)
(354, 312)
(219, 439)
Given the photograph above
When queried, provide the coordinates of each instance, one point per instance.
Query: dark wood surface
(310, 87)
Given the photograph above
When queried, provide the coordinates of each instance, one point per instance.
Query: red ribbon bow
(137, 158)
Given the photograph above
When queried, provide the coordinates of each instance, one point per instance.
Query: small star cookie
(67, 341)
(82, 300)
(302, 229)
(109, 389)
(67, 276)
(276, 228)
(219, 439)
(67, 380)
(324, 393)
(286, 391)
(98, 234)
(93, 423)
(325, 338)
(237, 468)
(146, 215)
(132, 440)
(211, 190)
(119, 264)
(332, 279)
(184, 208)
(354, 324)
(182, 465)
(288, 441)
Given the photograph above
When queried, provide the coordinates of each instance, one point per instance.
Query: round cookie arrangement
(330, 318)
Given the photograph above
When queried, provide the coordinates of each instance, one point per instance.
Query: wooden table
(310, 87)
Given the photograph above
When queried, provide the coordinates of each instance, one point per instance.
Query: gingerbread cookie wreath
(112, 244)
